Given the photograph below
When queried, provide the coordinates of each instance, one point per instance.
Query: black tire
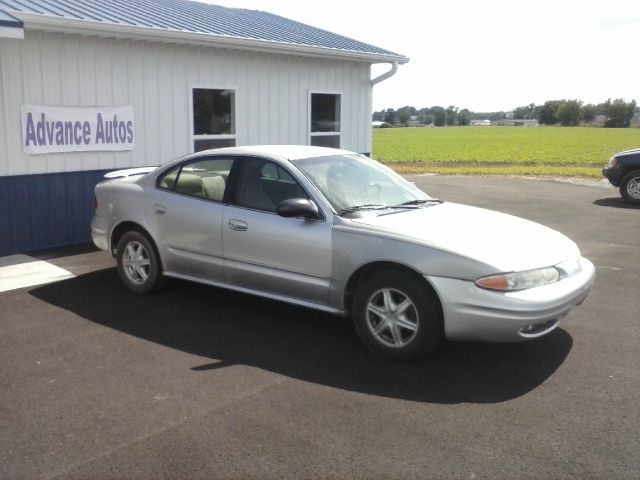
(377, 332)
(138, 263)
(630, 187)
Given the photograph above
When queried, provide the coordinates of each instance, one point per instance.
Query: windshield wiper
(420, 202)
(366, 206)
(410, 205)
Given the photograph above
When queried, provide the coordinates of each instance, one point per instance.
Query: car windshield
(355, 181)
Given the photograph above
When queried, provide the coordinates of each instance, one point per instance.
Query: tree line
(616, 114)
(437, 116)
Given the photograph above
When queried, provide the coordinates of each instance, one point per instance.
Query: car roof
(288, 152)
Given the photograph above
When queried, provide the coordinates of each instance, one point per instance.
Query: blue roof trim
(7, 20)
(194, 17)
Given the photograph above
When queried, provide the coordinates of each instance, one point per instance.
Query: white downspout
(384, 76)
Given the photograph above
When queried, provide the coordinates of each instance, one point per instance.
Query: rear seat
(214, 187)
(189, 184)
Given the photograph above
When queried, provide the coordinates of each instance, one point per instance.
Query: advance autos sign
(47, 129)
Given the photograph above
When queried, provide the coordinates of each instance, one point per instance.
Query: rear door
(186, 210)
(269, 253)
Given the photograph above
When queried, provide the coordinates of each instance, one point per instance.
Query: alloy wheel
(392, 317)
(136, 263)
(633, 188)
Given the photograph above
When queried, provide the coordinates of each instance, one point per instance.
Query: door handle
(238, 225)
(159, 209)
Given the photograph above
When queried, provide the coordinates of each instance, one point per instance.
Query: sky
(487, 55)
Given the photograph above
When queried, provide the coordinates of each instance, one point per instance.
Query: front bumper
(613, 174)
(476, 314)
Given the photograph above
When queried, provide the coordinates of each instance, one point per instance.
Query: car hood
(631, 153)
(504, 242)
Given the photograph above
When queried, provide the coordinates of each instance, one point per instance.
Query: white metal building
(87, 87)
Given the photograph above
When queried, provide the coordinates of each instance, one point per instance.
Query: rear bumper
(99, 235)
(476, 314)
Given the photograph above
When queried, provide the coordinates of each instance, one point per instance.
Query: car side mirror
(298, 207)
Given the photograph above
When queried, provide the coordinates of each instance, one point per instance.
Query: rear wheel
(138, 264)
(396, 316)
(630, 187)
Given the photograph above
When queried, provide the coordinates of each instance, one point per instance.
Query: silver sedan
(337, 231)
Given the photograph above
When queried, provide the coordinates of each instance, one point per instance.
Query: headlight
(520, 280)
(613, 161)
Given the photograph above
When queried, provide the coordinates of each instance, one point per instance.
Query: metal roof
(192, 17)
(7, 20)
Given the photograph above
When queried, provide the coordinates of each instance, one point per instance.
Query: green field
(557, 151)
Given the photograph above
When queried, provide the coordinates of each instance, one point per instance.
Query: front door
(269, 253)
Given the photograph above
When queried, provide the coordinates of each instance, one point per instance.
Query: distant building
(414, 122)
(597, 121)
(378, 124)
(516, 123)
(480, 123)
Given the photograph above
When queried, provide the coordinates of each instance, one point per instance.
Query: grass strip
(413, 168)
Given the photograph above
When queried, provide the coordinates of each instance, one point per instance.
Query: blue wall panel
(47, 210)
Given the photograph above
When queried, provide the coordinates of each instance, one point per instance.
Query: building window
(214, 118)
(325, 120)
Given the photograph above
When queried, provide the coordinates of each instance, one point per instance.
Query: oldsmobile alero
(336, 231)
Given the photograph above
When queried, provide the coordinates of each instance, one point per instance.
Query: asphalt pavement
(199, 382)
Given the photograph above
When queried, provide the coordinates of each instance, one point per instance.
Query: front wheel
(138, 264)
(630, 187)
(397, 316)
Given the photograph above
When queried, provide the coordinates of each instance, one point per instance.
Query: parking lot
(198, 382)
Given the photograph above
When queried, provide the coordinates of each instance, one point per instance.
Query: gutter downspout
(378, 79)
(384, 76)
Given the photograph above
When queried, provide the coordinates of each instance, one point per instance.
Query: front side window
(262, 185)
(204, 179)
(213, 118)
(325, 120)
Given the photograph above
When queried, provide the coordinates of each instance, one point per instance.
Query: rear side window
(168, 180)
(205, 179)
